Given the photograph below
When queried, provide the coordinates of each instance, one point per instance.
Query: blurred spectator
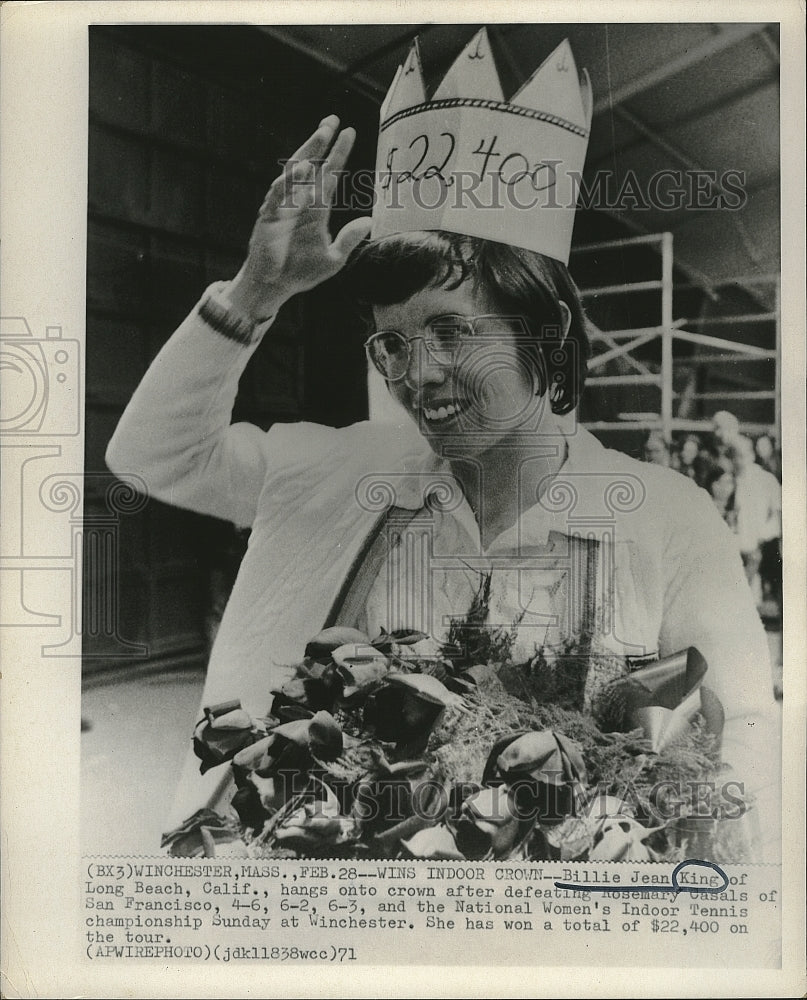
(768, 456)
(725, 431)
(693, 461)
(758, 500)
(689, 451)
(725, 428)
(721, 486)
(656, 450)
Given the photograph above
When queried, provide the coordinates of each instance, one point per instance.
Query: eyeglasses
(391, 352)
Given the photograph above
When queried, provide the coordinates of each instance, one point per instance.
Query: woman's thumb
(349, 237)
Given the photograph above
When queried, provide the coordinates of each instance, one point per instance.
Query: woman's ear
(560, 379)
(566, 320)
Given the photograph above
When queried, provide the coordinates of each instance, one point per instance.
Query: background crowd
(743, 477)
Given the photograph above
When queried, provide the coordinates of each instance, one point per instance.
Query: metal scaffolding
(625, 343)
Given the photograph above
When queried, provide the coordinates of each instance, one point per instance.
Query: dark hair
(713, 474)
(520, 283)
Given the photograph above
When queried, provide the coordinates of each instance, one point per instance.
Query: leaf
(427, 688)
(219, 843)
(573, 837)
(237, 719)
(407, 637)
(325, 642)
(359, 679)
(216, 746)
(186, 840)
(436, 842)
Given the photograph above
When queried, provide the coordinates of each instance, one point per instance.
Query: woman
(484, 347)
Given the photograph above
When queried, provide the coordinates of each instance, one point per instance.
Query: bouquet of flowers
(395, 746)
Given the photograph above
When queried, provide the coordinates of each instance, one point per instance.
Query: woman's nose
(423, 368)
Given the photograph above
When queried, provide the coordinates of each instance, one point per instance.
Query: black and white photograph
(423, 491)
(583, 528)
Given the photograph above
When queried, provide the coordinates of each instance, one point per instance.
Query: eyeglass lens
(391, 352)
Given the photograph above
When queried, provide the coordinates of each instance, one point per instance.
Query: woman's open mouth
(443, 413)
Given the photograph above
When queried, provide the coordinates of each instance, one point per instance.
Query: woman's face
(486, 396)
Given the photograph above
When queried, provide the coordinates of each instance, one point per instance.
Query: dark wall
(186, 127)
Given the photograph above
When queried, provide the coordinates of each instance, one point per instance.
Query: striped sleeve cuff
(217, 312)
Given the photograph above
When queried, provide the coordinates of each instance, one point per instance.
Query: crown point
(388, 96)
(407, 88)
(423, 145)
(555, 86)
(587, 96)
(473, 73)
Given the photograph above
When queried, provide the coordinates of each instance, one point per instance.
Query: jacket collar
(598, 492)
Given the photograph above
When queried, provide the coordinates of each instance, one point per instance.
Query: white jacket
(672, 576)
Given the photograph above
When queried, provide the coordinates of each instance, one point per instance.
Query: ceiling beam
(679, 220)
(686, 161)
(691, 117)
(724, 39)
(362, 83)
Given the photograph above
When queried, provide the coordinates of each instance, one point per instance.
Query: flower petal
(325, 642)
(436, 842)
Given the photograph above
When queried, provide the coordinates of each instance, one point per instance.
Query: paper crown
(467, 161)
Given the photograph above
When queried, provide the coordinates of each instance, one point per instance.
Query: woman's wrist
(219, 312)
(252, 299)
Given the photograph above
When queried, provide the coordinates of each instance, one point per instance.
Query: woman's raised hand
(291, 249)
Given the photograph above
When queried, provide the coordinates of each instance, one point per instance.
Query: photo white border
(43, 208)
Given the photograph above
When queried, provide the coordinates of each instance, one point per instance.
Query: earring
(557, 389)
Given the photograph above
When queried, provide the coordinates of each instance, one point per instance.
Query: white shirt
(758, 500)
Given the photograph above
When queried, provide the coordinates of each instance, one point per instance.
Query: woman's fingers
(316, 146)
(291, 238)
(293, 189)
(299, 164)
(311, 180)
(319, 154)
(335, 162)
(297, 178)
